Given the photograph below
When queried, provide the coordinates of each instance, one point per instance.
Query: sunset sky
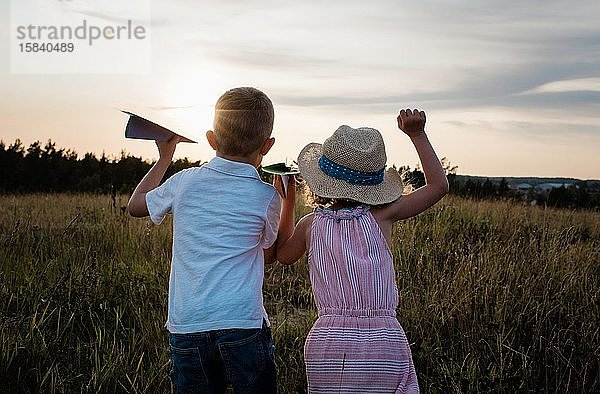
(510, 88)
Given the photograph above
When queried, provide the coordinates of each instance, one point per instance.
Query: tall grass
(501, 297)
(494, 296)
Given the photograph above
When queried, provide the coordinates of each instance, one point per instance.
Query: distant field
(494, 296)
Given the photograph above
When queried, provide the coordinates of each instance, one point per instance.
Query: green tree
(559, 197)
(503, 187)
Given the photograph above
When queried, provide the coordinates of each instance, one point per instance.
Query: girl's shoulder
(304, 227)
(306, 221)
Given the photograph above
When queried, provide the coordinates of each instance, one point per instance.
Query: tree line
(48, 169)
(580, 194)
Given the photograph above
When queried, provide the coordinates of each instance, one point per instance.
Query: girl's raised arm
(412, 123)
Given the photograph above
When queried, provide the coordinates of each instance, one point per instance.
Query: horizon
(117, 156)
(521, 96)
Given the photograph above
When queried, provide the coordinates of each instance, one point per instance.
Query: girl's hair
(313, 200)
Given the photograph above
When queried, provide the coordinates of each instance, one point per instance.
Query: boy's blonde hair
(243, 121)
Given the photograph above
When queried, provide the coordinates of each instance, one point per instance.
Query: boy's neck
(253, 159)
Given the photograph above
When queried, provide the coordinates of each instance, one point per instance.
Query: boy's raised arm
(137, 202)
(412, 123)
(286, 212)
(288, 250)
(292, 239)
(287, 219)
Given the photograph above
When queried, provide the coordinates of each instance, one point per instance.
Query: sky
(509, 88)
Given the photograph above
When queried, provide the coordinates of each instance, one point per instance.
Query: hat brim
(326, 186)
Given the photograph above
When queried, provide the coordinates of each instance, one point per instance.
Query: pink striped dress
(356, 345)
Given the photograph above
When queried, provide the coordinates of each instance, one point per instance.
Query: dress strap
(343, 213)
(331, 311)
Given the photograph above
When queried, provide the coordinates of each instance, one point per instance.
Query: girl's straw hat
(350, 165)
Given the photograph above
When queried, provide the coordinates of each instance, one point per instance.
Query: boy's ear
(267, 145)
(212, 139)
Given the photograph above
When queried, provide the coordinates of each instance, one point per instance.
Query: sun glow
(188, 103)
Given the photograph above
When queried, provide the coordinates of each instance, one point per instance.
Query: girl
(357, 344)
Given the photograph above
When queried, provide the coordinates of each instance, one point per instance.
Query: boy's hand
(166, 149)
(137, 206)
(289, 191)
(411, 122)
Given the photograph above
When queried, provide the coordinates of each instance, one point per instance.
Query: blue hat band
(349, 175)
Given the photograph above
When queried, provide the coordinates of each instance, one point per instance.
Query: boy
(225, 223)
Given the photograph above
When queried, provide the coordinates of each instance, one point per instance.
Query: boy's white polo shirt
(224, 215)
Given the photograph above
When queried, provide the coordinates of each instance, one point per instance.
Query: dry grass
(493, 296)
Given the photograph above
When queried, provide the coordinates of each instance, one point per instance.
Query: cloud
(572, 85)
(269, 58)
(438, 54)
(520, 66)
(170, 108)
(524, 88)
(318, 101)
(118, 20)
(103, 16)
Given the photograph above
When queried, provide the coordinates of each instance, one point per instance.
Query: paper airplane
(284, 171)
(280, 169)
(143, 129)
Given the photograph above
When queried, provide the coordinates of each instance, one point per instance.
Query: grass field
(494, 297)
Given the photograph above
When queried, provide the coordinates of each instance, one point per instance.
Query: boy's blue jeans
(206, 362)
